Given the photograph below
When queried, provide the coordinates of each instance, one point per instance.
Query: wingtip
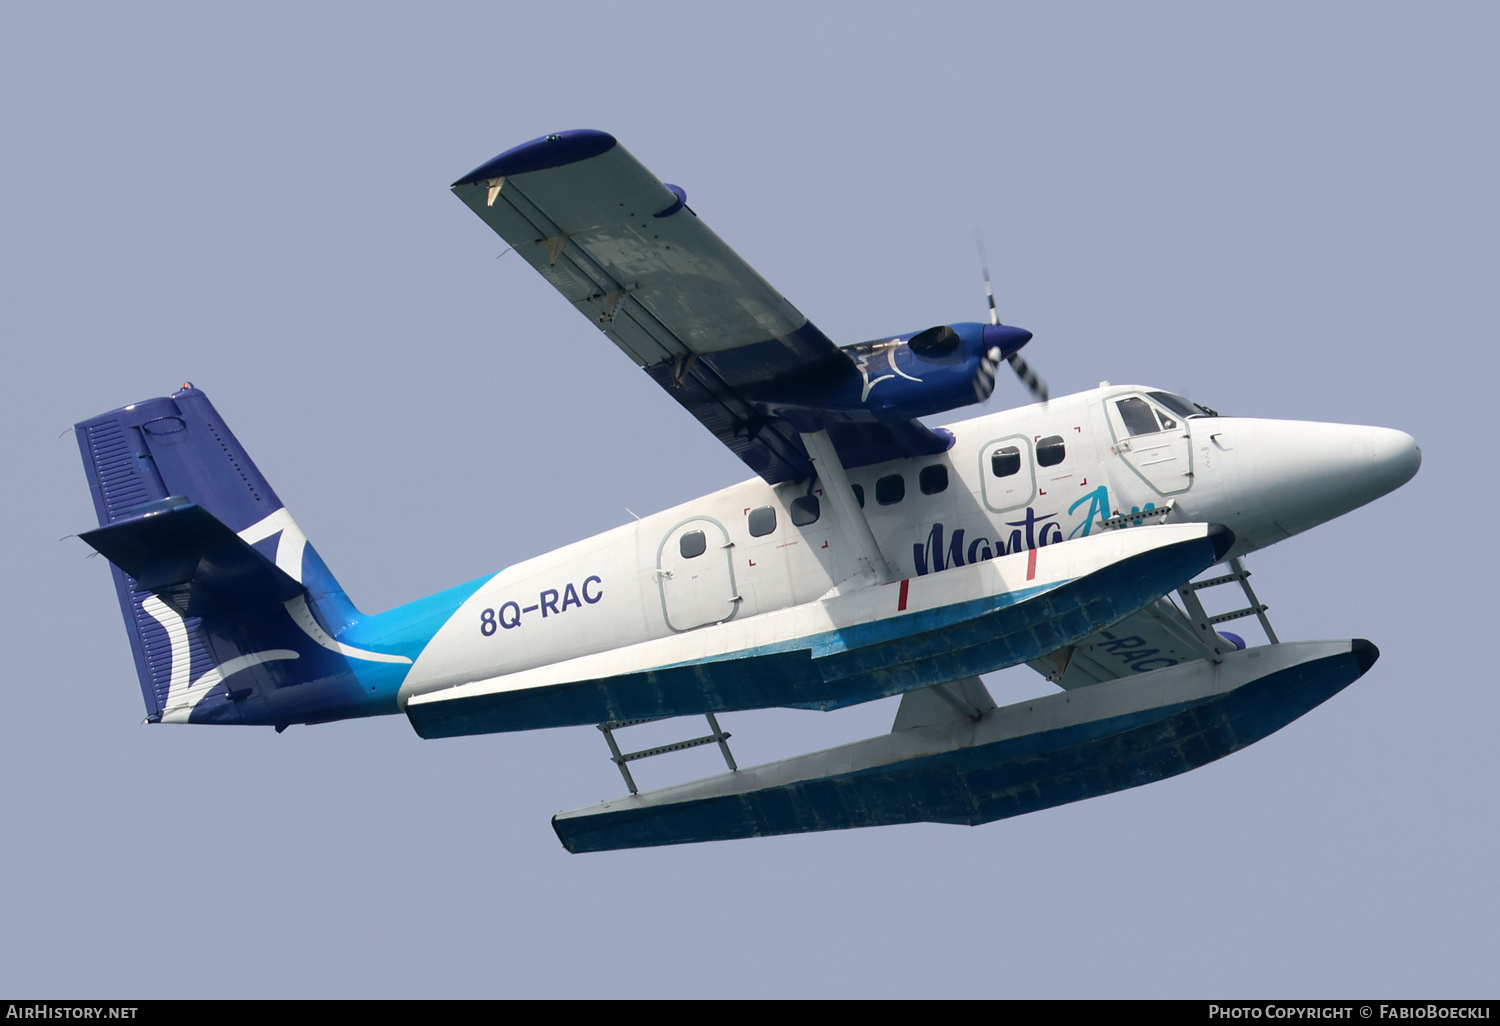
(1365, 654)
(555, 150)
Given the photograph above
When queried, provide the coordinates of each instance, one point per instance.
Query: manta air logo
(878, 365)
(1031, 532)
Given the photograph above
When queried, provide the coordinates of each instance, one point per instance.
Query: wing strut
(840, 492)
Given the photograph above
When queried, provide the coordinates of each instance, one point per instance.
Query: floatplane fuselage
(1012, 482)
(873, 555)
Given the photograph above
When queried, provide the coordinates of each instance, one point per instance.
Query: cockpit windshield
(1182, 407)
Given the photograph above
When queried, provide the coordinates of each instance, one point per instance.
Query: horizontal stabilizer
(1033, 755)
(191, 559)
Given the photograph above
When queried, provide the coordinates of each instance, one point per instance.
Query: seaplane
(869, 555)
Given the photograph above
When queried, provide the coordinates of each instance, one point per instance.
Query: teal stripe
(407, 630)
(875, 632)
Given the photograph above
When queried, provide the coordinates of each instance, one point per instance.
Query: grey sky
(1281, 210)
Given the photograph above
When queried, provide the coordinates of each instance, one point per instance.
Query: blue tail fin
(228, 607)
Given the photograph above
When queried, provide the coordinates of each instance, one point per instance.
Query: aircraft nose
(1310, 473)
(1347, 466)
(1395, 456)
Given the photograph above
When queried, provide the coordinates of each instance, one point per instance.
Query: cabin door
(695, 572)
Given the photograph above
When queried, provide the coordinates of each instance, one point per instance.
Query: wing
(1156, 637)
(629, 253)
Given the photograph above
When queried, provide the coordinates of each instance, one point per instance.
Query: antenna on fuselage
(1029, 377)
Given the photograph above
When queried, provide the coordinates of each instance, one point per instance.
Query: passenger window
(692, 544)
(805, 510)
(762, 521)
(1138, 418)
(1050, 451)
(890, 489)
(1006, 462)
(859, 493)
(933, 479)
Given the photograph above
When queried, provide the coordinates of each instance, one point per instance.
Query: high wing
(629, 253)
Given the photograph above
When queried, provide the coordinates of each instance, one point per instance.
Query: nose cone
(1339, 468)
(1007, 336)
(1395, 457)
(1293, 475)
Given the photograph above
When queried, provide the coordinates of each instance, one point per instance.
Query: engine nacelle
(907, 376)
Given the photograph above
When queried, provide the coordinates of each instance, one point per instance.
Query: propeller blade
(984, 263)
(1034, 384)
(1029, 377)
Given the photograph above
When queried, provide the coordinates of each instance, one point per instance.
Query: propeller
(1029, 377)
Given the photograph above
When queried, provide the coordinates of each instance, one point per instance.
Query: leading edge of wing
(627, 252)
(548, 151)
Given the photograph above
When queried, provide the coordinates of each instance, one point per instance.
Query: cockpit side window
(1180, 406)
(1138, 416)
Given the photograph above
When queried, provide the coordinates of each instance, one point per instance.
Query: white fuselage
(1014, 480)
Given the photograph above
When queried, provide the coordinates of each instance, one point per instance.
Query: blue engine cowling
(907, 376)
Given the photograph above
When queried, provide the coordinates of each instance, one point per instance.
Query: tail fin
(208, 565)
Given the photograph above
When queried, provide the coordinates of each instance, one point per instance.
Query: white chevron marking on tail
(177, 682)
(288, 548)
(182, 697)
(304, 618)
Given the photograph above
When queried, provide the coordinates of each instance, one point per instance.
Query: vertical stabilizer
(152, 458)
